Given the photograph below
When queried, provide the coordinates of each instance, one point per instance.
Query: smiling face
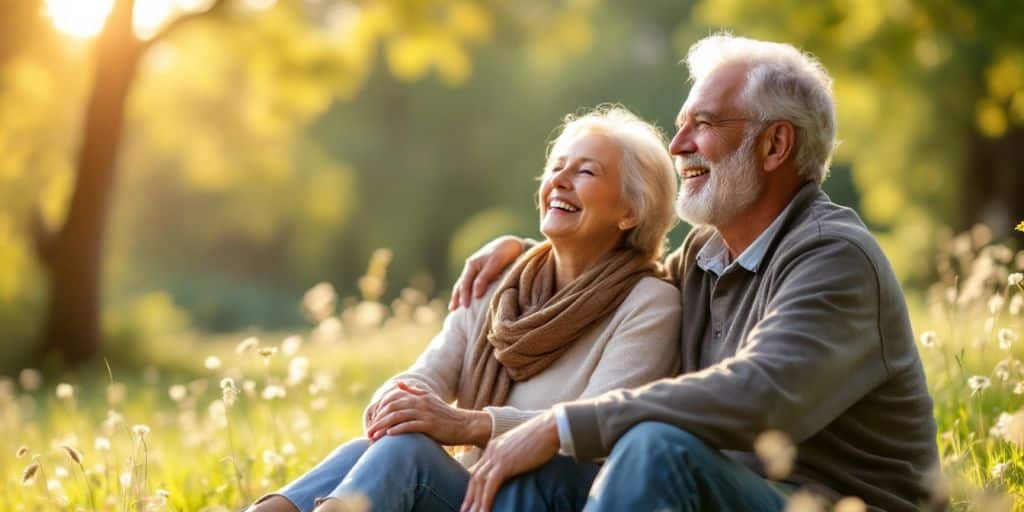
(581, 203)
(714, 150)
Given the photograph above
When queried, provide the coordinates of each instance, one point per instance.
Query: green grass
(200, 455)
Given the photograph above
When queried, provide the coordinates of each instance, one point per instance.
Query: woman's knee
(408, 448)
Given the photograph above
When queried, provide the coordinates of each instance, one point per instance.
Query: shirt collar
(714, 256)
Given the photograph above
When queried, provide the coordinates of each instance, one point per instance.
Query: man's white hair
(783, 84)
(648, 178)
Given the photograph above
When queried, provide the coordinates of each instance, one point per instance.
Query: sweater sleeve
(644, 346)
(439, 366)
(814, 353)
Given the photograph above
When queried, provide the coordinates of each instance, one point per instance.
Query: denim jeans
(408, 472)
(653, 467)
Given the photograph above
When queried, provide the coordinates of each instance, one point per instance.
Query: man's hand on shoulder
(483, 267)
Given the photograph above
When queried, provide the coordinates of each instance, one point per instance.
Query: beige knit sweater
(635, 345)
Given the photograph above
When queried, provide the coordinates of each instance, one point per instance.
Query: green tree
(295, 60)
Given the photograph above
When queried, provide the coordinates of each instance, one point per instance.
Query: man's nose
(682, 143)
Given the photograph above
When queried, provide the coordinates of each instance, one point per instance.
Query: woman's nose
(561, 179)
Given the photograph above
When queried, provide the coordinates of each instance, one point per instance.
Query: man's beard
(732, 186)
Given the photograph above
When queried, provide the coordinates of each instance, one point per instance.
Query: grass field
(217, 421)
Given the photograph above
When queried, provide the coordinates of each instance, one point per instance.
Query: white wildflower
(140, 430)
(212, 363)
(368, 314)
(1015, 279)
(776, 452)
(978, 383)
(247, 344)
(271, 458)
(65, 391)
(290, 345)
(114, 419)
(320, 301)
(177, 392)
(288, 449)
(929, 338)
(328, 330)
(1000, 469)
(298, 369)
(1006, 338)
(424, 315)
(1016, 304)
(1002, 370)
(272, 392)
(102, 444)
(995, 304)
(805, 501)
(1009, 427)
(850, 504)
(229, 395)
(218, 413)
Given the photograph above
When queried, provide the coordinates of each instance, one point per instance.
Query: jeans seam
(436, 495)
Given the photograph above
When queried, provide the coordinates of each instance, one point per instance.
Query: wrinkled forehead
(719, 92)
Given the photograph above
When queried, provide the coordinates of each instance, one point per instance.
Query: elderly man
(793, 322)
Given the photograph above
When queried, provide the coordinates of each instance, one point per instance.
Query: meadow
(213, 422)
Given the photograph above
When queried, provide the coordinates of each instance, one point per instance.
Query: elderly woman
(581, 313)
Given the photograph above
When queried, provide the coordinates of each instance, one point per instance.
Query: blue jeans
(653, 466)
(408, 472)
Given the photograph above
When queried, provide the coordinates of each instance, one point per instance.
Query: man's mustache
(694, 160)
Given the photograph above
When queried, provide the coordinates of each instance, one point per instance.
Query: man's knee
(657, 437)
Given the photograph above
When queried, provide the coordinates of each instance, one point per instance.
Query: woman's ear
(629, 221)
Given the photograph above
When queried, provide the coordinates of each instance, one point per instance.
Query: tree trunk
(73, 255)
(993, 182)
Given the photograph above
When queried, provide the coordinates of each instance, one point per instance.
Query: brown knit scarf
(529, 325)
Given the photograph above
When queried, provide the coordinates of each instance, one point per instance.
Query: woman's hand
(483, 267)
(411, 409)
(513, 453)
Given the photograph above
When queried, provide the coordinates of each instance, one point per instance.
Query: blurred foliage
(282, 143)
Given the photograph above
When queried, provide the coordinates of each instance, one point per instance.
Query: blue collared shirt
(714, 256)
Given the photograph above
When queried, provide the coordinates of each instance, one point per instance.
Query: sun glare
(79, 18)
(84, 18)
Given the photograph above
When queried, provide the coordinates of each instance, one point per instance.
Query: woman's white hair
(783, 84)
(648, 176)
